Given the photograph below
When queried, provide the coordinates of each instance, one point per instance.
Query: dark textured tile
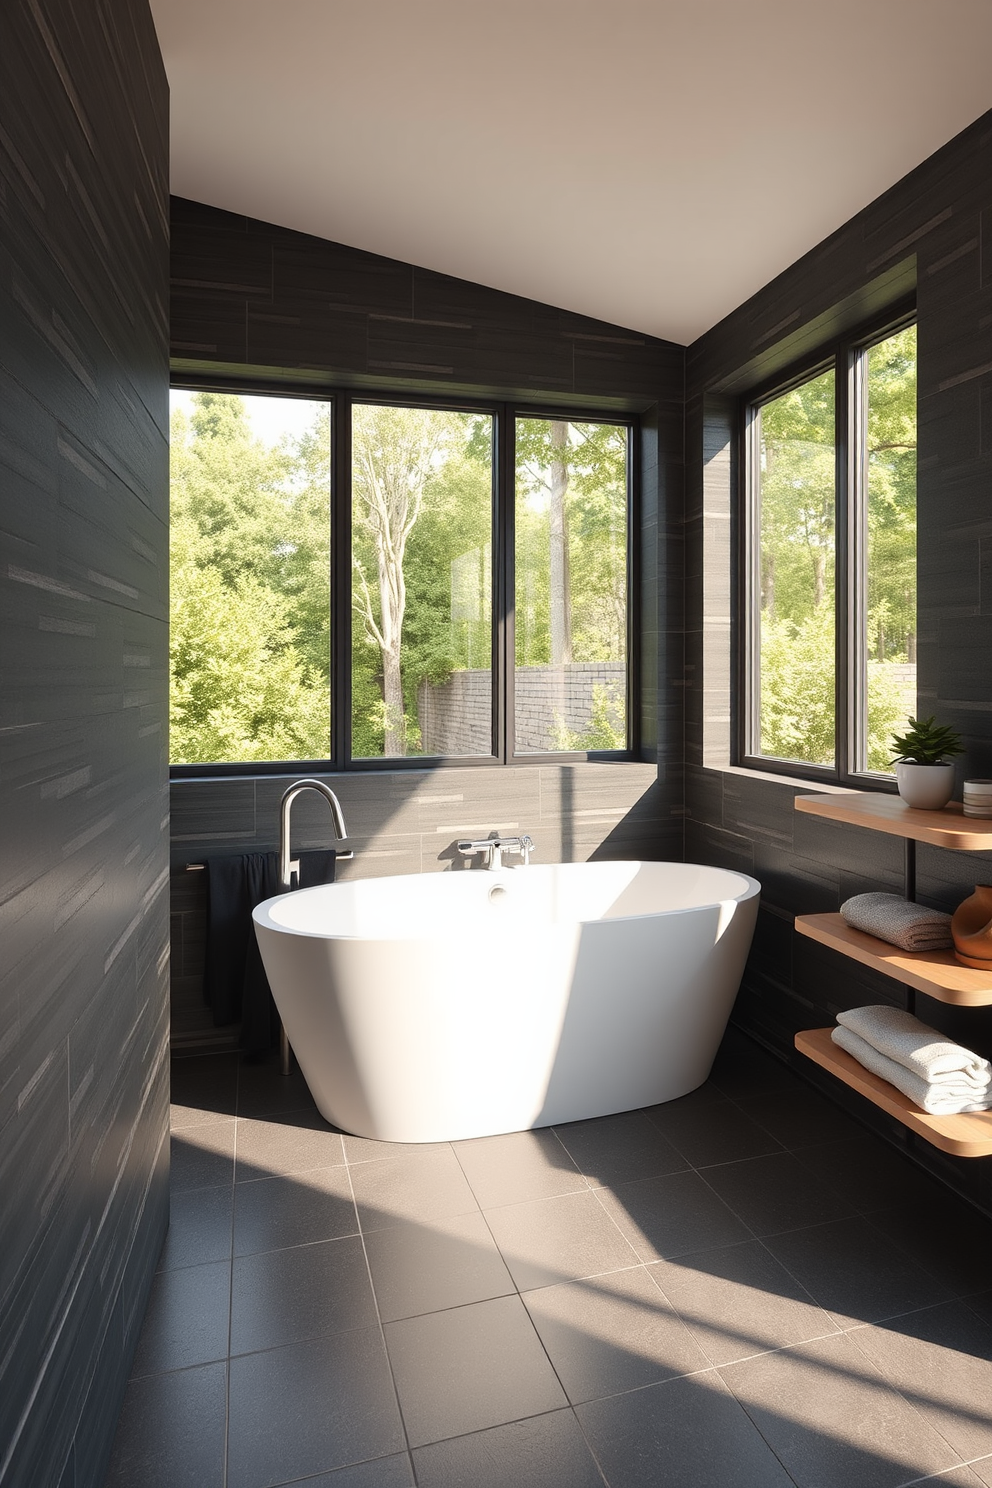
(186, 1321)
(612, 1333)
(776, 1193)
(200, 1228)
(686, 1431)
(710, 1131)
(148, 1450)
(419, 1267)
(420, 1186)
(263, 1091)
(203, 1089)
(551, 1240)
(940, 1359)
(291, 1143)
(273, 1213)
(469, 1368)
(869, 1174)
(853, 1273)
(801, 1117)
(619, 1149)
(672, 1216)
(310, 1407)
(952, 1243)
(383, 1472)
(286, 1296)
(715, 1291)
(203, 1156)
(830, 1417)
(543, 1452)
(519, 1166)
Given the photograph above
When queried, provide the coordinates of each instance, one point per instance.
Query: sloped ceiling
(646, 162)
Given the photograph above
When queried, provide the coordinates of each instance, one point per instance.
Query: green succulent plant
(926, 742)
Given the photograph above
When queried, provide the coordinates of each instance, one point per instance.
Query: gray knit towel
(902, 923)
(938, 1100)
(922, 1050)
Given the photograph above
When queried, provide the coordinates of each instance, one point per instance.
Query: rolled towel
(918, 1048)
(902, 923)
(938, 1100)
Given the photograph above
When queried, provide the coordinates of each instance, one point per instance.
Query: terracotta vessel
(972, 929)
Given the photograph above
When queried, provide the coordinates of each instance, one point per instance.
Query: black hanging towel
(235, 985)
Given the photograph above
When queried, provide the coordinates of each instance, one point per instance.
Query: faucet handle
(526, 848)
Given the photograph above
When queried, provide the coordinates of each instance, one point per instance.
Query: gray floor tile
(831, 1417)
(204, 1088)
(291, 1143)
(612, 1333)
(671, 1216)
(518, 1166)
(776, 1193)
(421, 1186)
(686, 1433)
(551, 1240)
(542, 1452)
(982, 1470)
(419, 1267)
(855, 1276)
(203, 1156)
(277, 1212)
(262, 1091)
(941, 1360)
(310, 1407)
(619, 1149)
(868, 1173)
(186, 1321)
(367, 1149)
(955, 1477)
(711, 1131)
(382, 1472)
(171, 1431)
(953, 1242)
(469, 1368)
(801, 1117)
(742, 1068)
(285, 1296)
(200, 1228)
(715, 1293)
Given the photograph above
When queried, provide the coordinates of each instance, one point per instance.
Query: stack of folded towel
(910, 926)
(939, 1077)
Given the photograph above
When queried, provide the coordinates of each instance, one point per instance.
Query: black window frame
(504, 414)
(843, 355)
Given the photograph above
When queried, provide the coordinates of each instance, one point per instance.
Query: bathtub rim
(262, 916)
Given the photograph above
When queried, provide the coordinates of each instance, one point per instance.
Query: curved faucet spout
(287, 864)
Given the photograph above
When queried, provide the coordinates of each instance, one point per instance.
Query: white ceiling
(646, 162)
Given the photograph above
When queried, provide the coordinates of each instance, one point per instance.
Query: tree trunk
(560, 592)
(768, 584)
(394, 742)
(819, 574)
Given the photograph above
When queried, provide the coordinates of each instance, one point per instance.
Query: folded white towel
(920, 1049)
(912, 927)
(938, 1100)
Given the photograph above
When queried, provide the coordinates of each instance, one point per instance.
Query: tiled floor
(741, 1289)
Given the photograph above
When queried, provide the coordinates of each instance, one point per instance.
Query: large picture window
(472, 606)
(830, 590)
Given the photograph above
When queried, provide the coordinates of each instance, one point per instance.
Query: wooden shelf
(966, 1135)
(884, 813)
(937, 973)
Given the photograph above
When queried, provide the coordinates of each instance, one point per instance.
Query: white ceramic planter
(928, 787)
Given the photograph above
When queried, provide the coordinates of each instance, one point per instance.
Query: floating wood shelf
(966, 1135)
(937, 973)
(884, 813)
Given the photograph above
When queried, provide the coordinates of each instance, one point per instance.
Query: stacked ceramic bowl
(978, 798)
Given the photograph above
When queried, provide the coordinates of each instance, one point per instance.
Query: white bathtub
(439, 1006)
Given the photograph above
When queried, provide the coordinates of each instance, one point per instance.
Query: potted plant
(923, 759)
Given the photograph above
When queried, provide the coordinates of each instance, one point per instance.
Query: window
(830, 633)
(473, 605)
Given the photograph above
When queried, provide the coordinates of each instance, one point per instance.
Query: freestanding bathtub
(432, 1007)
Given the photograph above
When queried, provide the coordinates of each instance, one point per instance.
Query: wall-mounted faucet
(495, 847)
(288, 865)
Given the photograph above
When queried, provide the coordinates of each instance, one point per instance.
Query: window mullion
(845, 587)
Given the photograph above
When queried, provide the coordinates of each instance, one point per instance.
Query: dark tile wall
(258, 302)
(83, 788)
(928, 230)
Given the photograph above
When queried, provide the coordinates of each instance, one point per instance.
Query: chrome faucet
(288, 865)
(495, 847)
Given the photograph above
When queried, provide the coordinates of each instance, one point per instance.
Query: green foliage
(926, 742)
(607, 723)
